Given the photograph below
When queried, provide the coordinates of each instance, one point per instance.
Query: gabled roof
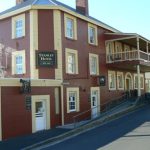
(52, 3)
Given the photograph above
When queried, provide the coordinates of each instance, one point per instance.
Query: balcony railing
(128, 55)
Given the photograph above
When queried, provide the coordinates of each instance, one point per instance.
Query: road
(131, 132)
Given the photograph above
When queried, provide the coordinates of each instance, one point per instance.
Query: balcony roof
(129, 39)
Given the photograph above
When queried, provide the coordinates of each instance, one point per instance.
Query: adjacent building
(56, 62)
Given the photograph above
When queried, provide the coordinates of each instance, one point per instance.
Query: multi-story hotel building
(56, 62)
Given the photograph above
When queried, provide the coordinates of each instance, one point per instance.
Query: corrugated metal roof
(50, 3)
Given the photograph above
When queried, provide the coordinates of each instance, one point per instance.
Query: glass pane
(38, 107)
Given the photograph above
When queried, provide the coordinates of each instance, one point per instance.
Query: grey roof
(50, 3)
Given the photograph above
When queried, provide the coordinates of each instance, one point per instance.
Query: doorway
(40, 113)
(95, 102)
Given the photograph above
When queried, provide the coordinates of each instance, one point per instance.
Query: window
(72, 99)
(136, 81)
(18, 26)
(18, 62)
(71, 61)
(112, 80)
(92, 34)
(94, 64)
(120, 81)
(70, 27)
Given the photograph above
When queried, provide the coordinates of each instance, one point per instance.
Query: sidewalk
(25, 141)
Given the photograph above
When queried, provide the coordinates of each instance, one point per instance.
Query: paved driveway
(131, 132)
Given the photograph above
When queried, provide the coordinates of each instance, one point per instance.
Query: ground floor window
(72, 99)
(120, 81)
(136, 81)
(112, 80)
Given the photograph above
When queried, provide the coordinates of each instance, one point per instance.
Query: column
(138, 47)
(139, 83)
(147, 50)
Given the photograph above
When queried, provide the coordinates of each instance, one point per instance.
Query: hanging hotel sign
(46, 59)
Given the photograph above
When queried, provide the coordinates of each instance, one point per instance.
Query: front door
(40, 115)
(94, 104)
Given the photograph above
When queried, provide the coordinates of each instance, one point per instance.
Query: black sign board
(26, 86)
(28, 102)
(46, 59)
(102, 80)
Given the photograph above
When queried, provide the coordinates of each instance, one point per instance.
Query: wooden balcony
(128, 56)
(125, 51)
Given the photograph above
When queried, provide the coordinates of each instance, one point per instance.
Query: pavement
(24, 141)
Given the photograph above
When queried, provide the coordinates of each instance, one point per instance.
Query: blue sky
(131, 16)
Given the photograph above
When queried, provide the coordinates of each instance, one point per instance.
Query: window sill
(17, 38)
(93, 44)
(72, 39)
(112, 89)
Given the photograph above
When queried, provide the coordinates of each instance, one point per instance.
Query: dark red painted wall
(46, 40)
(16, 44)
(16, 120)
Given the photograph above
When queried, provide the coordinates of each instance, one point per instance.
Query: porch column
(139, 82)
(138, 47)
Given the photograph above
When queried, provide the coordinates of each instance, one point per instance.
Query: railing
(111, 107)
(128, 55)
(108, 107)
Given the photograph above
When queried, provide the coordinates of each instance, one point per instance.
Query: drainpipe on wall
(139, 82)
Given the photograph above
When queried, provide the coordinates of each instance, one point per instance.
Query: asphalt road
(131, 132)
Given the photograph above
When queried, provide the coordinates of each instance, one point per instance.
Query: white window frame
(96, 57)
(76, 101)
(141, 77)
(14, 64)
(74, 53)
(120, 74)
(19, 18)
(94, 27)
(109, 80)
(73, 35)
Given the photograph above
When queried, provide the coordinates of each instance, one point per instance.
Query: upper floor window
(92, 34)
(70, 31)
(71, 61)
(18, 62)
(18, 26)
(94, 64)
(70, 27)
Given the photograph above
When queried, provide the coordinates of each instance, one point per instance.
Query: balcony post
(138, 47)
(139, 82)
(147, 50)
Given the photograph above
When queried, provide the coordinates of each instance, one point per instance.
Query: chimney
(20, 1)
(82, 7)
